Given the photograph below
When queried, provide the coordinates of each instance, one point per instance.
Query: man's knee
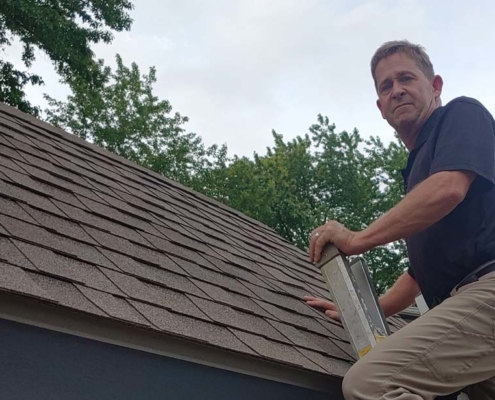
(358, 382)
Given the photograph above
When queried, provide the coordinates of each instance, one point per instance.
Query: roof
(410, 313)
(91, 232)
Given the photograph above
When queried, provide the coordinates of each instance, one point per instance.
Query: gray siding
(36, 363)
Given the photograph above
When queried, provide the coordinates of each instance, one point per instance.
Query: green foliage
(64, 30)
(12, 83)
(274, 189)
(300, 184)
(126, 118)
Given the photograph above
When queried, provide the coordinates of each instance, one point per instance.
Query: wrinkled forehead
(395, 65)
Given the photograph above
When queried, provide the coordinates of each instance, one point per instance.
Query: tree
(388, 262)
(275, 189)
(300, 184)
(126, 118)
(358, 181)
(64, 31)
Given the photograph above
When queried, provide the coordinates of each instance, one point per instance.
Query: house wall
(37, 363)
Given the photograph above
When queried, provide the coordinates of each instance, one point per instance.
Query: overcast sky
(240, 68)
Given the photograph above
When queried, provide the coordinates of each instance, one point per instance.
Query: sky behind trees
(239, 69)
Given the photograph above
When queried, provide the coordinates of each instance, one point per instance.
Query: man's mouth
(402, 105)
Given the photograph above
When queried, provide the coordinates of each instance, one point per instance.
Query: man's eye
(406, 78)
(385, 87)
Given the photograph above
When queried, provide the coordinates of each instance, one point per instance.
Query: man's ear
(379, 105)
(437, 85)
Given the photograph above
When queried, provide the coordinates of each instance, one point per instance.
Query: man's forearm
(400, 296)
(429, 202)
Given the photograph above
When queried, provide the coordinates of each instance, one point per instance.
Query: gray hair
(416, 52)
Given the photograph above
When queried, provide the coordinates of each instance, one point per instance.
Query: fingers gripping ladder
(352, 291)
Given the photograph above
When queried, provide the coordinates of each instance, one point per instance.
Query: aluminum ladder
(353, 292)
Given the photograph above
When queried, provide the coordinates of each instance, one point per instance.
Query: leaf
(64, 30)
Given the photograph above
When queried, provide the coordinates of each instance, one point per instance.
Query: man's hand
(400, 296)
(332, 232)
(328, 306)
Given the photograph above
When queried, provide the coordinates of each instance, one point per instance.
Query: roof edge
(410, 312)
(43, 315)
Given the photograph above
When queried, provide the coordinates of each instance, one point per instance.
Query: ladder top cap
(329, 252)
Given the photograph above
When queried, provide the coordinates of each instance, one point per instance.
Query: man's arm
(425, 205)
(400, 296)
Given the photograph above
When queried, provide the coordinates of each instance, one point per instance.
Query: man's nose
(397, 91)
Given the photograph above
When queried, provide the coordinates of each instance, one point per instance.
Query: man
(448, 221)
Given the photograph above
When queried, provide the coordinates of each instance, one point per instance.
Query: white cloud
(240, 68)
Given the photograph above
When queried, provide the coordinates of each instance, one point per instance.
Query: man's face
(406, 97)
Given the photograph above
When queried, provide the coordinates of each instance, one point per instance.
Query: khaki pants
(447, 349)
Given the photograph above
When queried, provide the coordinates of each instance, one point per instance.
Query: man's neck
(409, 138)
(409, 134)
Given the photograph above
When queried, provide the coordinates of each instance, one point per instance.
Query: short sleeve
(411, 273)
(466, 141)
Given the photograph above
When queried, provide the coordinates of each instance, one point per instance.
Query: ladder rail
(364, 281)
(363, 331)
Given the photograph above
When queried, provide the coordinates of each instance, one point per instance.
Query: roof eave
(44, 315)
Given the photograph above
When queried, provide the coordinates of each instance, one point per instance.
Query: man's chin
(405, 121)
(403, 125)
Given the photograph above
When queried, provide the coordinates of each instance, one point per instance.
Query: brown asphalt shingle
(115, 307)
(229, 316)
(12, 255)
(237, 272)
(213, 277)
(9, 152)
(279, 300)
(293, 318)
(232, 299)
(153, 294)
(20, 194)
(333, 366)
(66, 294)
(86, 217)
(93, 232)
(191, 328)
(309, 340)
(15, 279)
(67, 268)
(276, 351)
(60, 225)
